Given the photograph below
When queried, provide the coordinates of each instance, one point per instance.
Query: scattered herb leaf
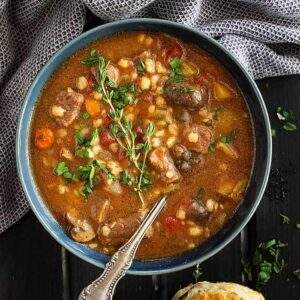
(229, 138)
(285, 219)
(197, 272)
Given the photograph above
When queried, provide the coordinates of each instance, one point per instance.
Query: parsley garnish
(265, 260)
(297, 273)
(126, 178)
(216, 112)
(80, 139)
(175, 73)
(85, 115)
(288, 117)
(62, 169)
(141, 67)
(273, 131)
(285, 219)
(212, 147)
(229, 138)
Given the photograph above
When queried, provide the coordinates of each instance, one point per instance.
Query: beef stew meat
(116, 127)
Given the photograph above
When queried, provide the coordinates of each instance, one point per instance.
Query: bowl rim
(165, 269)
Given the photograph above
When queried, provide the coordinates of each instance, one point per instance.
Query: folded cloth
(263, 34)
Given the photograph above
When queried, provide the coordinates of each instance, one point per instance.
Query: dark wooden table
(34, 266)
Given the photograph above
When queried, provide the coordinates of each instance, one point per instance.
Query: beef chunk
(185, 159)
(197, 138)
(196, 211)
(161, 160)
(190, 96)
(68, 105)
(117, 232)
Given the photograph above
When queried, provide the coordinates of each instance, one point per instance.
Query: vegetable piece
(107, 120)
(90, 84)
(221, 91)
(44, 138)
(92, 107)
(173, 224)
(188, 69)
(106, 138)
(176, 73)
(285, 219)
(174, 50)
(289, 126)
(228, 149)
(232, 190)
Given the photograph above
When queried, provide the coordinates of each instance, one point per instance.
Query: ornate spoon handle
(103, 287)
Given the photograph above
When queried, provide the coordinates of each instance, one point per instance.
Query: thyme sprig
(122, 128)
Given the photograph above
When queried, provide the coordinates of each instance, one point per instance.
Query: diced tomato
(173, 51)
(147, 97)
(106, 138)
(173, 224)
(137, 81)
(203, 78)
(44, 138)
(90, 84)
(121, 155)
(107, 120)
(139, 132)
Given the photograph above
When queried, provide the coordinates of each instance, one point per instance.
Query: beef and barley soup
(132, 117)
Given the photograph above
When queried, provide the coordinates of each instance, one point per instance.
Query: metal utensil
(103, 287)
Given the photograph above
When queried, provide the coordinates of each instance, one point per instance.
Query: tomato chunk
(139, 132)
(44, 138)
(90, 84)
(174, 51)
(173, 224)
(106, 138)
(107, 120)
(121, 155)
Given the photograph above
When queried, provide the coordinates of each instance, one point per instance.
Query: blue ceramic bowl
(261, 165)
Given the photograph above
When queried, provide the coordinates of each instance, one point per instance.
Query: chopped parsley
(145, 181)
(273, 131)
(216, 113)
(288, 117)
(212, 147)
(297, 273)
(126, 178)
(229, 138)
(285, 219)
(79, 138)
(176, 73)
(265, 260)
(297, 225)
(85, 115)
(141, 67)
(62, 169)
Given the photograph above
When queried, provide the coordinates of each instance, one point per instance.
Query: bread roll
(217, 291)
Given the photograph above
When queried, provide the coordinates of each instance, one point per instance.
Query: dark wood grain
(282, 91)
(30, 262)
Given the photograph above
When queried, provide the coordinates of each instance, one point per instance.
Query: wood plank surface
(30, 262)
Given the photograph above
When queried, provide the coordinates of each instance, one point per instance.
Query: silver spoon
(103, 287)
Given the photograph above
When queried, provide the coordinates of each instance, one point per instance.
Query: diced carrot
(92, 106)
(44, 138)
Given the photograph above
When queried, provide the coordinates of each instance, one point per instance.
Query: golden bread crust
(205, 290)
